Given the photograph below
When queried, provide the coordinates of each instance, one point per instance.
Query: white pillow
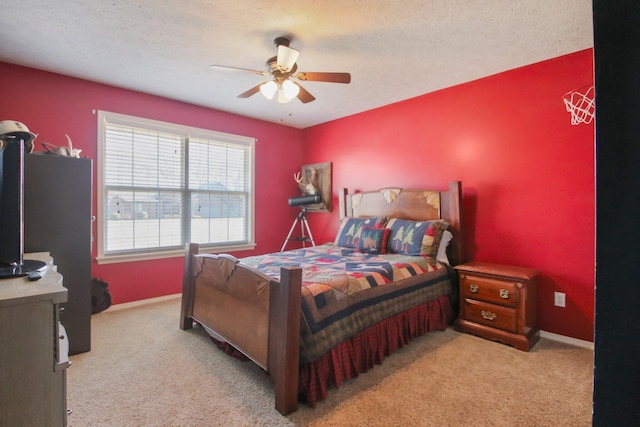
(442, 249)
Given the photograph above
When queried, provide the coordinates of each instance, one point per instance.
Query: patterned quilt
(332, 268)
(345, 291)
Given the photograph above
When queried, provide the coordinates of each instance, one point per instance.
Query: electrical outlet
(559, 299)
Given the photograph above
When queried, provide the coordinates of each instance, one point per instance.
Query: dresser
(498, 302)
(32, 350)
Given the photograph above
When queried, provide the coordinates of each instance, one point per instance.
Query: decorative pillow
(350, 229)
(373, 240)
(415, 237)
(442, 249)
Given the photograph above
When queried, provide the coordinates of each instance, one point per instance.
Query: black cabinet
(57, 219)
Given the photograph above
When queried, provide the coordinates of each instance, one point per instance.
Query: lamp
(290, 89)
(287, 90)
(269, 89)
(287, 58)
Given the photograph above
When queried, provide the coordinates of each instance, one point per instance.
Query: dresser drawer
(501, 292)
(492, 315)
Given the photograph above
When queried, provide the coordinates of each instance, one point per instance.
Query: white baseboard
(566, 340)
(133, 304)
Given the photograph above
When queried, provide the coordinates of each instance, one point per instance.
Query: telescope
(305, 200)
(302, 218)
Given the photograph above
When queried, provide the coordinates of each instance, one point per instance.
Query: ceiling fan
(282, 68)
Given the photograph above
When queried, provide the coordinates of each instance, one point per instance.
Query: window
(162, 185)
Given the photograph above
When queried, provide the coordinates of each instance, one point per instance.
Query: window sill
(114, 259)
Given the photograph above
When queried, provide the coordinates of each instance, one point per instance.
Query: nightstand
(498, 302)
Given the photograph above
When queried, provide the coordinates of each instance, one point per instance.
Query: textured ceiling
(394, 50)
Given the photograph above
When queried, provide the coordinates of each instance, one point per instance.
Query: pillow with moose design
(415, 237)
(373, 240)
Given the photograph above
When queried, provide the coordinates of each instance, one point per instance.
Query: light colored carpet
(144, 371)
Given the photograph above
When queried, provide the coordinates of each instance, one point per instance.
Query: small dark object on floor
(100, 296)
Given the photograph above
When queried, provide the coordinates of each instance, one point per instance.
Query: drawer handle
(488, 315)
(473, 288)
(504, 293)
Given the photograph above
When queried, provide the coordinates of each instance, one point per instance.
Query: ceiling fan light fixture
(269, 89)
(282, 98)
(290, 89)
(287, 58)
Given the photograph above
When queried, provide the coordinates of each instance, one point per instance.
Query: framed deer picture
(316, 179)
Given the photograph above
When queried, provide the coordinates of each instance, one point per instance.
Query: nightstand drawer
(491, 290)
(492, 315)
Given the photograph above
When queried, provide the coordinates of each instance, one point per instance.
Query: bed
(314, 317)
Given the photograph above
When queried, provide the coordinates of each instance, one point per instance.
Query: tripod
(302, 217)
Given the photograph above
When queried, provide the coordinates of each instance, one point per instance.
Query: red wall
(527, 173)
(52, 105)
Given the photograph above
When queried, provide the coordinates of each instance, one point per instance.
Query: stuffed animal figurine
(62, 151)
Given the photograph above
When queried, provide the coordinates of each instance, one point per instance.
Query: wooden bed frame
(260, 317)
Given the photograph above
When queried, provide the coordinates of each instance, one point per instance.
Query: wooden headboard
(416, 205)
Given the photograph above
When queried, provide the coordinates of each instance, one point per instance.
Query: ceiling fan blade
(226, 68)
(324, 77)
(287, 57)
(304, 95)
(250, 92)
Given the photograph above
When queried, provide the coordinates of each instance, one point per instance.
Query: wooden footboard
(244, 307)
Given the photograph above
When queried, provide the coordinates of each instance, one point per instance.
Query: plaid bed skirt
(369, 347)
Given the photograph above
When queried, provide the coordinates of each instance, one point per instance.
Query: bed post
(454, 216)
(284, 338)
(342, 202)
(188, 281)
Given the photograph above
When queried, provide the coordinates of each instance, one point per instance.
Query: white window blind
(163, 185)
